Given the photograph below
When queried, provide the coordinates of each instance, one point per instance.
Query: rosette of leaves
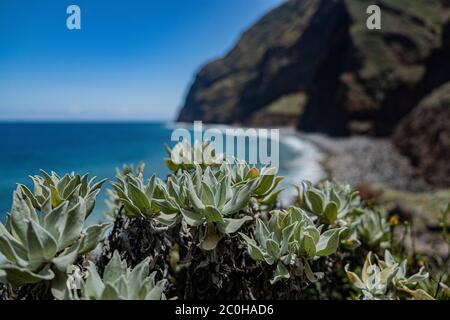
(113, 200)
(50, 190)
(216, 205)
(373, 230)
(37, 246)
(119, 282)
(136, 195)
(382, 280)
(153, 199)
(184, 156)
(265, 180)
(331, 202)
(290, 240)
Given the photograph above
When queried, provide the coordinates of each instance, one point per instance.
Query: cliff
(313, 64)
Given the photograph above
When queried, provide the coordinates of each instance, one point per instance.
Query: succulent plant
(380, 280)
(290, 238)
(331, 202)
(136, 195)
(36, 246)
(185, 156)
(214, 203)
(265, 180)
(119, 282)
(51, 190)
(373, 229)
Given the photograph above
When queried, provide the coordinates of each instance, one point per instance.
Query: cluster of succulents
(331, 202)
(381, 280)
(218, 217)
(289, 239)
(45, 231)
(119, 282)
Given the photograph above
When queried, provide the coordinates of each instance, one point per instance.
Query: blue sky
(130, 60)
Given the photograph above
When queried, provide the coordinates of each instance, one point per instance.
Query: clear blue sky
(131, 59)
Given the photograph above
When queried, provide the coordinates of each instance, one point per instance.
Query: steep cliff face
(262, 67)
(314, 64)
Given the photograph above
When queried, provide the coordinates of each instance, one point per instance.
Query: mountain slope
(313, 64)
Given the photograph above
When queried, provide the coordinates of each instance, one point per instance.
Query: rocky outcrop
(262, 68)
(350, 79)
(424, 136)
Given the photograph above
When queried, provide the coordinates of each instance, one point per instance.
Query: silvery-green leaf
(97, 186)
(73, 226)
(130, 209)
(211, 239)
(94, 286)
(114, 269)
(139, 198)
(418, 277)
(273, 248)
(54, 220)
(156, 292)
(71, 187)
(212, 214)
(253, 250)
(30, 195)
(353, 277)
(121, 286)
(66, 258)
(313, 232)
(41, 245)
(17, 276)
(281, 272)
(13, 250)
(307, 246)
(195, 200)
(328, 242)
(90, 202)
(92, 237)
(271, 198)
(207, 195)
(417, 294)
(331, 212)
(287, 234)
(387, 274)
(309, 273)
(264, 184)
(220, 197)
(229, 225)
(137, 277)
(109, 293)
(22, 206)
(314, 201)
(192, 218)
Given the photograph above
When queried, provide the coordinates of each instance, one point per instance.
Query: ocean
(100, 148)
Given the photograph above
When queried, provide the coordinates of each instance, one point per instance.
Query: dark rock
(424, 136)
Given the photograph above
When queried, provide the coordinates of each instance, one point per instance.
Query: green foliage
(331, 202)
(184, 156)
(290, 239)
(374, 230)
(51, 190)
(37, 245)
(381, 280)
(119, 282)
(214, 225)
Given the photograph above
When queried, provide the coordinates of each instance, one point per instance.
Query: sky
(131, 60)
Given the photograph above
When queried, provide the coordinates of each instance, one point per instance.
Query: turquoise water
(94, 148)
